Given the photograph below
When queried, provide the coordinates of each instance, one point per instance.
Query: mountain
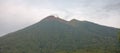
(55, 35)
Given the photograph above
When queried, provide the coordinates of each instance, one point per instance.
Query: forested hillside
(54, 35)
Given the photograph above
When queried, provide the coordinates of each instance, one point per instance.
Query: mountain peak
(53, 18)
(74, 20)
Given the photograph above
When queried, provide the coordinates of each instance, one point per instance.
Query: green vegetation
(118, 45)
(119, 36)
(54, 35)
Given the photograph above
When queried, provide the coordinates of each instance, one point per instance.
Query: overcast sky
(17, 14)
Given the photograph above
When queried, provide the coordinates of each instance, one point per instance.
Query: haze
(17, 14)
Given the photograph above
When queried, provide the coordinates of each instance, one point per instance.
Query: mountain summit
(55, 35)
(53, 18)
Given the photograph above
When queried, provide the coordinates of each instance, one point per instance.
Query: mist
(17, 14)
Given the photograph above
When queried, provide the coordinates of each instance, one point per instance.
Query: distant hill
(55, 35)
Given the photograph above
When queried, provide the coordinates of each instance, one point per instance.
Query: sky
(18, 14)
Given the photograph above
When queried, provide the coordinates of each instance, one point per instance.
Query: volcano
(55, 35)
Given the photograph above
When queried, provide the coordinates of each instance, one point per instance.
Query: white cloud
(16, 14)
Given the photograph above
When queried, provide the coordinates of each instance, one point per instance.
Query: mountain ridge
(55, 35)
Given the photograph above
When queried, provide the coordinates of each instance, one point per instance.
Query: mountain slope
(54, 35)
